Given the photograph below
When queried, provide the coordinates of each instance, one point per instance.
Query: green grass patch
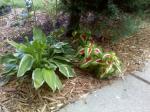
(37, 3)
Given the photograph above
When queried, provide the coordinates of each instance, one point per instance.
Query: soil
(19, 96)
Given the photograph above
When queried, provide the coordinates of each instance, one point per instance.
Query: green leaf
(20, 47)
(62, 58)
(39, 35)
(4, 80)
(117, 67)
(7, 58)
(9, 68)
(52, 79)
(37, 77)
(25, 65)
(87, 62)
(59, 45)
(66, 70)
(86, 52)
(109, 69)
(52, 66)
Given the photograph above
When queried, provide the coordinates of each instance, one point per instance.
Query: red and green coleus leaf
(106, 56)
(86, 62)
(97, 62)
(109, 62)
(86, 36)
(117, 66)
(87, 51)
(97, 51)
(83, 37)
(107, 70)
(81, 51)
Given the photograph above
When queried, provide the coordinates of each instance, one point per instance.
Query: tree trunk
(74, 20)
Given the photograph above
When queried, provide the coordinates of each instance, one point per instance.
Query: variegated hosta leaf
(25, 65)
(39, 35)
(37, 77)
(51, 79)
(62, 58)
(66, 70)
(20, 47)
(59, 45)
(7, 59)
(9, 69)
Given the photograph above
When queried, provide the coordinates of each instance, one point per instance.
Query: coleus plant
(41, 57)
(91, 56)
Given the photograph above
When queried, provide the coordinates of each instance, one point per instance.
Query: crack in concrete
(140, 78)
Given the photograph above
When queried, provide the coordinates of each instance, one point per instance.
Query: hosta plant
(93, 58)
(41, 57)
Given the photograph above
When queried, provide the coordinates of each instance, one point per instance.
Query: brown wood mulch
(19, 96)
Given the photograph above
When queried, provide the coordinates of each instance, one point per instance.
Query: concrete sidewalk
(129, 95)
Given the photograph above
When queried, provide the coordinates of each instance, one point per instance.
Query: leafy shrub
(43, 57)
(133, 5)
(77, 8)
(114, 27)
(92, 57)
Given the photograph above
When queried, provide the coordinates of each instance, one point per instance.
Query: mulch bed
(19, 96)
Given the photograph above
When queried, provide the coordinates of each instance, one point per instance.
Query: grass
(37, 3)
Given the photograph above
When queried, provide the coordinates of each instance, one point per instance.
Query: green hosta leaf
(37, 77)
(50, 65)
(8, 58)
(39, 35)
(9, 68)
(25, 65)
(66, 70)
(18, 55)
(62, 58)
(4, 80)
(59, 45)
(52, 79)
(37, 45)
(20, 47)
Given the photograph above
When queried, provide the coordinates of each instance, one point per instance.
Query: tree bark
(75, 14)
(74, 22)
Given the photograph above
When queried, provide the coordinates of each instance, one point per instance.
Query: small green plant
(42, 57)
(92, 57)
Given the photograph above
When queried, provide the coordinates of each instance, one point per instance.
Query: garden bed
(18, 96)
